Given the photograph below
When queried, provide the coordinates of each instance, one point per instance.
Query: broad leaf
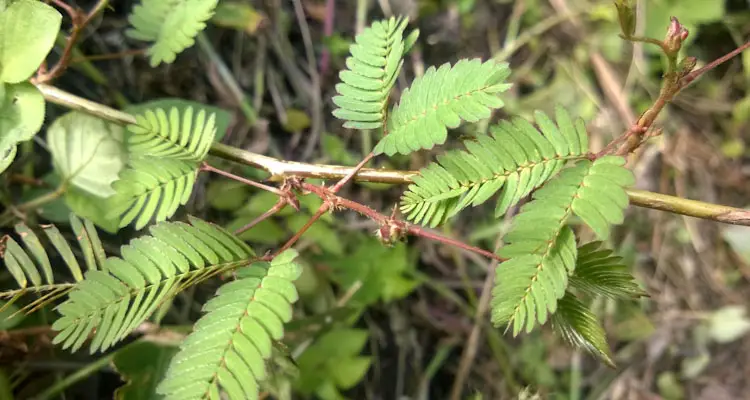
(28, 29)
(21, 113)
(88, 151)
(21, 117)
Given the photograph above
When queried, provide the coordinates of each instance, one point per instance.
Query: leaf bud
(626, 13)
(676, 34)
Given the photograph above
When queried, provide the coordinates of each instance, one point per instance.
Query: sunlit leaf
(88, 151)
(28, 29)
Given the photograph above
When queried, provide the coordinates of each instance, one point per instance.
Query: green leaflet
(229, 345)
(441, 99)
(528, 287)
(579, 326)
(372, 69)
(515, 160)
(185, 135)
(151, 188)
(600, 273)
(171, 25)
(113, 301)
(541, 252)
(31, 268)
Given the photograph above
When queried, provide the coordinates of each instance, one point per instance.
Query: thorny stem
(327, 203)
(689, 78)
(389, 222)
(79, 21)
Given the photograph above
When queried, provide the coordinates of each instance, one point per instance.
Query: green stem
(7, 216)
(280, 169)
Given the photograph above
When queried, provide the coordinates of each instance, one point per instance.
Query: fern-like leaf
(579, 326)
(372, 69)
(151, 188)
(183, 137)
(116, 299)
(31, 268)
(599, 272)
(529, 286)
(541, 246)
(441, 99)
(171, 25)
(515, 160)
(229, 346)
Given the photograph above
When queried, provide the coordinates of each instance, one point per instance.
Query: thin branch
(689, 78)
(352, 173)
(289, 243)
(79, 24)
(209, 168)
(270, 212)
(281, 170)
(388, 222)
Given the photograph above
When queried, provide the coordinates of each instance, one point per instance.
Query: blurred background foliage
(391, 323)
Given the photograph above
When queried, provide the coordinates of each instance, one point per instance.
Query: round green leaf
(88, 151)
(21, 113)
(28, 29)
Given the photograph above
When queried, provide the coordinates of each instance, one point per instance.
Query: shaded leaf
(237, 15)
(579, 326)
(142, 365)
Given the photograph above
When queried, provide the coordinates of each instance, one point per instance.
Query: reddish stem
(206, 167)
(672, 86)
(351, 174)
(289, 243)
(273, 210)
(689, 78)
(335, 201)
(79, 21)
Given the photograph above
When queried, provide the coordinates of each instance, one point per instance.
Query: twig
(352, 173)
(209, 168)
(109, 56)
(289, 243)
(689, 78)
(281, 170)
(273, 210)
(79, 24)
(391, 224)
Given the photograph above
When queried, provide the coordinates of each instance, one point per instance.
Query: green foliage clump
(171, 25)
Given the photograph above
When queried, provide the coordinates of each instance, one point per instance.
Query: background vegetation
(399, 322)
